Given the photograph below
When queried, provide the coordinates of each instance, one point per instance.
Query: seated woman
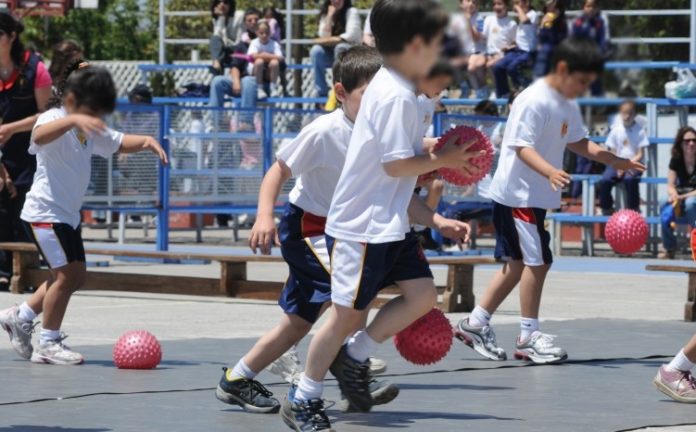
(681, 188)
(339, 28)
(226, 28)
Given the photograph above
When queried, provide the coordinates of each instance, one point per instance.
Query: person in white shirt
(521, 54)
(627, 140)
(266, 56)
(369, 215)
(64, 139)
(339, 28)
(543, 122)
(499, 31)
(467, 28)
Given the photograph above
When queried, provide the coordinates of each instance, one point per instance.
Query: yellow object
(550, 18)
(331, 102)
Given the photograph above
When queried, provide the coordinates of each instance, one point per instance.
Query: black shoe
(249, 394)
(306, 416)
(353, 379)
(382, 393)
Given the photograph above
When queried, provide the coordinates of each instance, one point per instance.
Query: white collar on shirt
(407, 84)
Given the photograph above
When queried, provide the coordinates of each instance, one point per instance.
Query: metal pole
(288, 28)
(162, 54)
(692, 55)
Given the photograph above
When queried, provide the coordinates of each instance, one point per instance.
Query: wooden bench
(690, 306)
(458, 294)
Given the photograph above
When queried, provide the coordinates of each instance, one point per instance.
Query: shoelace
(689, 380)
(315, 414)
(489, 336)
(255, 386)
(545, 340)
(29, 327)
(359, 377)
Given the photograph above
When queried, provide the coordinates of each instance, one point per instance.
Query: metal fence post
(163, 208)
(267, 139)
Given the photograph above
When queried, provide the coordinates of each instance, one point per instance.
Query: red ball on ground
(427, 340)
(626, 232)
(137, 349)
(484, 163)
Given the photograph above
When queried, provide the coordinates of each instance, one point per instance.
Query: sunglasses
(689, 140)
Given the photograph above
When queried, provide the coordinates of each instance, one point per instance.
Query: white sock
(361, 346)
(48, 335)
(308, 389)
(240, 370)
(681, 363)
(26, 313)
(527, 327)
(479, 317)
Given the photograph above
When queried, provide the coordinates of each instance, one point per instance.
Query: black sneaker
(249, 394)
(306, 416)
(353, 379)
(382, 393)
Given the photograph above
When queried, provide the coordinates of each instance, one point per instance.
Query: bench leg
(21, 262)
(459, 294)
(690, 307)
(230, 274)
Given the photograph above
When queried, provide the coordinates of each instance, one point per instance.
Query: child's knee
(274, 64)
(71, 277)
(259, 63)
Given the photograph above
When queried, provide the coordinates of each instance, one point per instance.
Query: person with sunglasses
(681, 188)
(25, 87)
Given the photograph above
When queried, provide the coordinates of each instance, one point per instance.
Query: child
(591, 24)
(499, 30)
(544, 121)
(627, 139)
(553, 29)
(267, 56)
(675, 379)
(467, 27)
(521, 54)
(315, 158)
(369, 217)
(64, 139)
(273, 18)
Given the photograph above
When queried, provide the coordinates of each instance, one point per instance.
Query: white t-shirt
(526, 39)
(626, 142)
(63, 169)
(542, 119)
(256, 47)
(426, 113)
(368, 205)
(460, 28)
(316, 158)
(499, 33)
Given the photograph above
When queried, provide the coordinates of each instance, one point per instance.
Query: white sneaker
(481, 339)
(539, 349)
(56, 352)
(288, 367)
(20, 331)
(261, 94)
(377, 366)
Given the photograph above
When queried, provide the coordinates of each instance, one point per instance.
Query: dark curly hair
(9, 25)
(92, 87)
(339, 18)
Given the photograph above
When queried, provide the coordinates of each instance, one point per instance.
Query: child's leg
(273, 344)
(675, 379)
(531, 286)
(274, 69)
(686, 358)
(35, 302)
(502, 284)
(259, 67)
(66, 280)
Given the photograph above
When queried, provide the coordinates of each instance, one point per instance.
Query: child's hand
(264, 235)
(559, 179)
(628, 165)
(458, 157)
(88, 125)
(155, 147)
(455, 230)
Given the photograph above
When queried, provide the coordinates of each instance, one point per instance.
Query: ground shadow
(33, 428)
(164, 364)
(404, 419)
(412, 386)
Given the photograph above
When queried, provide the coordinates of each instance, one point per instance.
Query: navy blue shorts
(303, 246)
(520, 235)
(59, 244)
(361, 270)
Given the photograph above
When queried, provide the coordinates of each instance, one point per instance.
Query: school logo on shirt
(82, 138)
(564, 129)
(625, 143)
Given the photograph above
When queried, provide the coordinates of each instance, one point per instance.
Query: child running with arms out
(64, 139)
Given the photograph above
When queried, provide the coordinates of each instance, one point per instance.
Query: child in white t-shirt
(627, 139)
(499, 31)
(544, 120)
(266, 55)
(520, 55)
(64, 139)
(467, 28)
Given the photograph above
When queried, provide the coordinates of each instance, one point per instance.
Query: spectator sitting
(226, 29)
(275, 23)
(267, 57)
(467, 28)
(591, 24)
(519, 56)
(368, 38)
(499, 30)
(339, 28)
(552, 30)
(681, 187)
(626, 140)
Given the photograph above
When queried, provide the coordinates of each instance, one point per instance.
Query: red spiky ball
(137, 349)
(484, 162)
(427, 340)
(626, 232)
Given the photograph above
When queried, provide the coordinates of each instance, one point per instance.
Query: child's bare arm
(137, 143)
(263, 233)
(594, 152)
(449, 156)
(557, 177)
(51, 131)
(420, 213)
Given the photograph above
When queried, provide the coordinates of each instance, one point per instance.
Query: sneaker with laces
(20, 331)
(305, 416)
(539, 349)
(481, 339)
(377, 366)
(57, 353)
(678, 385)
(287, 366)
(249, 394)
(353, 379)
(382, 393)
